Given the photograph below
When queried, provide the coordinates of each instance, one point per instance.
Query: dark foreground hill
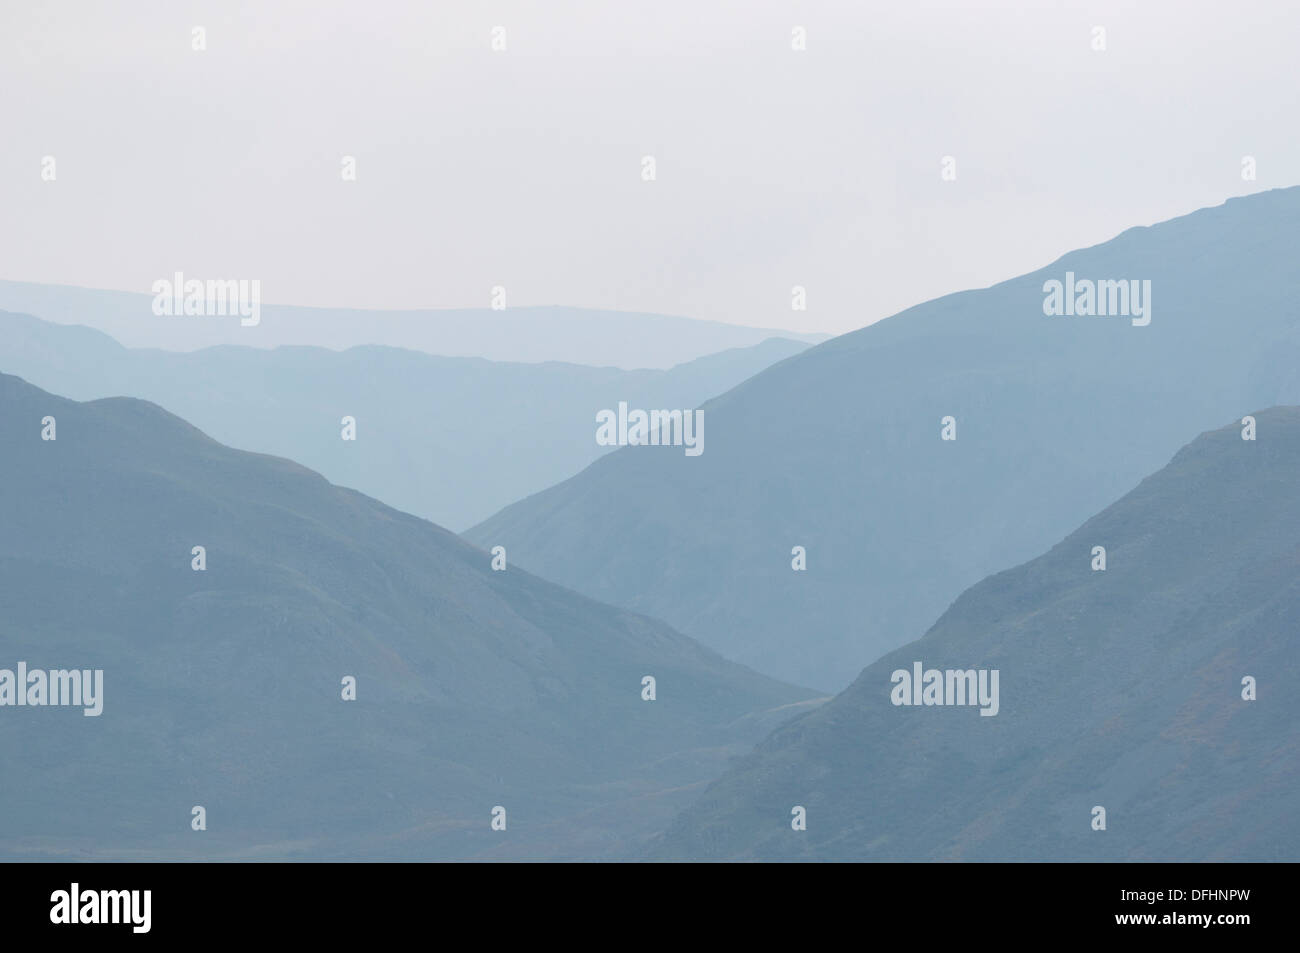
(223, 687)
(839, 449)
(1121, 689)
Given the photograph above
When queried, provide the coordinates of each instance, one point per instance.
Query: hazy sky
(522, 168)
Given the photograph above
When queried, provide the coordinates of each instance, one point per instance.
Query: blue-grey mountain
(623, 339)
(223, 687)
(450, 439)
(1124, 689)
(839, 449)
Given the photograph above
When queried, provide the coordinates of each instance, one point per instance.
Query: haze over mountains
(839, 449)
(449, 439)
(1120, 688)
(622, 339)
(477, 688)
(222, 687)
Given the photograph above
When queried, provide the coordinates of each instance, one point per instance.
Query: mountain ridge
(1120, 688)
(839, 449)
(594, 337)
(448, 438)
(473, 687)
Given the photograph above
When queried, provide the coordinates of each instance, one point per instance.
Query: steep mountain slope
(450, 439)
(623, 339)
(1120, 688)
(222, 687)
(839, 449)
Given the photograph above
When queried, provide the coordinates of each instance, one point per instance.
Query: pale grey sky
(523, 168)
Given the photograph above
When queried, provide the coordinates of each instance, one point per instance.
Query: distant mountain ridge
(222, 687)
(1120, 689)
(839, 450)
(450, 439)
(624, 339)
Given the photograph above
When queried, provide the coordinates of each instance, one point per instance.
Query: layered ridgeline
(223, 686)
(840, 450)
(1124, 689)
(450, 439)
(581, 335)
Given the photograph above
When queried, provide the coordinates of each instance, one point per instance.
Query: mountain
(447, 438)
(1121, 689)
(840, 449)
(223, 688)
(533, 334)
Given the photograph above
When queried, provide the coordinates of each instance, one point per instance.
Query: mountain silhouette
(1119, 689)
(839, 450)
(625, 339)
(451, 439)
(223, 689)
